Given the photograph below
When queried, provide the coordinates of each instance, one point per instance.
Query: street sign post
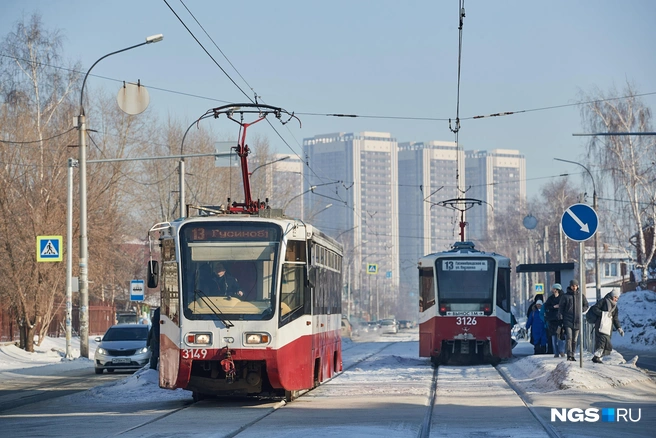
(579, 222)
(137, 290)
(49, 249)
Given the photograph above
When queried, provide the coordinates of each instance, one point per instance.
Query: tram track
(138, 430)
(438, 402)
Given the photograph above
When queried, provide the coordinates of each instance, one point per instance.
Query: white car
(388, 326)
(123, 347)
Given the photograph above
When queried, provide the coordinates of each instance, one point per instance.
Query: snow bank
(637, 313)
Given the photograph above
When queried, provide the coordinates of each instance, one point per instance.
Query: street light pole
(596, 236)
(84, 250)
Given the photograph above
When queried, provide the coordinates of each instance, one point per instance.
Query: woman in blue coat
(538, 329)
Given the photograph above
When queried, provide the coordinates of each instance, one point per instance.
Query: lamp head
(155, 38)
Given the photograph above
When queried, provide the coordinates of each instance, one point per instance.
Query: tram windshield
(229, 269)
(465, 284)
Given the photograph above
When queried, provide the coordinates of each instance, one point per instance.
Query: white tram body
(464, 311)
(281, 336)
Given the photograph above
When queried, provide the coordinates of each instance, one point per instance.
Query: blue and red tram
(464, 310)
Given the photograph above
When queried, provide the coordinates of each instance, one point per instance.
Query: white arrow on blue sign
(579, 222)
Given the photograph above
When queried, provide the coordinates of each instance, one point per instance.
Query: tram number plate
(466, 320)
(196, 353)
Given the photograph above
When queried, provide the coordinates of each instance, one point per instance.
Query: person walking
(538, 329)
(153, 340)
(555, 325)
(568, 312)
(607, 319)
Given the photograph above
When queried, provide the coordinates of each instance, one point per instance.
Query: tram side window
(427, 292)
(295, 251)
(292, 296)
(503, 289)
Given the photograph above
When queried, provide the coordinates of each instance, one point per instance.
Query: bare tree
(626, 166)
(36, 100)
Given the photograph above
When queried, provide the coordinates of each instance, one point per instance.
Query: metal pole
(596, 238)
(596, 255)
(348, 293)
(84, 283)
(183, 210)
(69, 257)
(377, 301)
(581, 292)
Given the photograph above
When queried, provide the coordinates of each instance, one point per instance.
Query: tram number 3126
(466, 320)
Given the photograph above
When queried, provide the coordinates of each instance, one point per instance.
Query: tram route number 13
(466, 320)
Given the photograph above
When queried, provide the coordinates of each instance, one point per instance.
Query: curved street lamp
(311, 189)
(596, 238)
(84, 250)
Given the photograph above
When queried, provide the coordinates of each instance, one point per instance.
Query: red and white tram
(281, 334)
(464, 310)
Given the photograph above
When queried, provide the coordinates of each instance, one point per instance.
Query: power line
(208, 53)
(37, 141)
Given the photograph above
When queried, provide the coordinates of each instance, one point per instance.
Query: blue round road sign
(579, 222)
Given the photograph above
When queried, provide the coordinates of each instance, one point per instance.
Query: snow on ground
(535, 374)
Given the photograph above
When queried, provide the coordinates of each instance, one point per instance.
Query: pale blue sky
(387, 58)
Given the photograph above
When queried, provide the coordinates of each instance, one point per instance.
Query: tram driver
(227, 284)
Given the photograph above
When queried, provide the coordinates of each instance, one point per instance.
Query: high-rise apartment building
(287, 184)
(498, 178)
(427, 176)
(352, 187)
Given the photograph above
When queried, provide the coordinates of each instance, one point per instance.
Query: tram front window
(465, 285)
(229, 270)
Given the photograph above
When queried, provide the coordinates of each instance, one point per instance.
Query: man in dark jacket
(554, 324)
(153, 340)
(603, 347)
(568, 312)
(227, 284)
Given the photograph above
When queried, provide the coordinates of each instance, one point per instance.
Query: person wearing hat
(538, 329)
(227, 284)
(568, 312)
(606, 308)
(555, 325)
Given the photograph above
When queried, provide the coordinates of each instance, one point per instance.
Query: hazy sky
(374, 58)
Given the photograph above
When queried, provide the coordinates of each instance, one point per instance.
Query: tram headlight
(256, 338)
(198, 338)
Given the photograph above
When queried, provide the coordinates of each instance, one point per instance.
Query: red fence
(101, 317)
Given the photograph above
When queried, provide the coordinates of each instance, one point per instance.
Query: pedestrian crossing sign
(49, 249)
(372, 268)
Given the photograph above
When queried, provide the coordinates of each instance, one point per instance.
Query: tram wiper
(209, 303)
(213, 307)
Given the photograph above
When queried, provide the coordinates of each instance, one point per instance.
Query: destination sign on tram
(464, 265)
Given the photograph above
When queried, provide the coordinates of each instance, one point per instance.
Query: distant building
(498, 178)
(356, 174)
(428, 176)
(615, 267)
(287, 184)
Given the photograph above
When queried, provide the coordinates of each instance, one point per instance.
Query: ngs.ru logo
(591, 415)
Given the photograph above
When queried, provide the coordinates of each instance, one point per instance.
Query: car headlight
(256, 338)
(101, 350)
(142, 350)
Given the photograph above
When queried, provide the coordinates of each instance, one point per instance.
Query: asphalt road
(30, 385)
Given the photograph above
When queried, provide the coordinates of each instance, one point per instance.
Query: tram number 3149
(194, 354)
(466, 320)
